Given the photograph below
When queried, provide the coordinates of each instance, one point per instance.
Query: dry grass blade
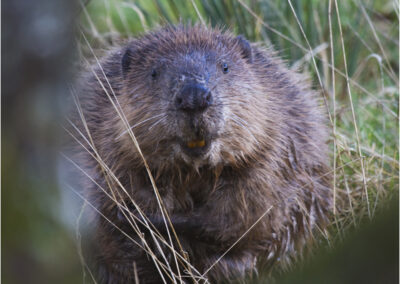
(334, 105)
(319, 49)
(352, 110)
(377, 38)
(313, 60)
(85, 267)
(238, 240)
(198, 13)
(139, 13)
(93, 28)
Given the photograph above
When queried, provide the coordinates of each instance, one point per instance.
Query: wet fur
(269, 150)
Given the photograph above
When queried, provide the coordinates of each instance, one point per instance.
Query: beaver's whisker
(244, 127)
(157, 122)
(137, 124)
(240, 119)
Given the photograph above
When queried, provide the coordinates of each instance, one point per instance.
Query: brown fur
(266, 135)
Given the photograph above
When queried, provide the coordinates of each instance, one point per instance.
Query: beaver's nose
(193, 97)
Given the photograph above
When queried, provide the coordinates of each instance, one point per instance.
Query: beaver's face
(190, 85)
(194, 94)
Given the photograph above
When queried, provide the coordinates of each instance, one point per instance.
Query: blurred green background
(42, 45)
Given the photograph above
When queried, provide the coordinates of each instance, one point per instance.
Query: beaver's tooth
(191, 144)
(201, 143)
(196, 144)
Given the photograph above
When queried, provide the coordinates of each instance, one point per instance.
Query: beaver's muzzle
(193, 98)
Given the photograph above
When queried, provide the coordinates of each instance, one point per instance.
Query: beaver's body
(228, 133)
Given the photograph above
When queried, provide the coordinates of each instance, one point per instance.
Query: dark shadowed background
(37, 51)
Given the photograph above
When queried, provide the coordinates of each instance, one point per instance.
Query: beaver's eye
(154, 74)
(225, 68)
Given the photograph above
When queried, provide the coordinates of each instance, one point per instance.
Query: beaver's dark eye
(154, 74)
(225, 68)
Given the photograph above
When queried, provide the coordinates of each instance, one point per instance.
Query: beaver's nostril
(193, 98)
(209, 98)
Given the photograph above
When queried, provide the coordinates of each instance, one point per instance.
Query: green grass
(361, 93)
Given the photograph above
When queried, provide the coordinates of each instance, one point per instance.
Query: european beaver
(232, 140)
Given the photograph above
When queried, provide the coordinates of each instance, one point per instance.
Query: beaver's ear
(246, 48)
(126, 61)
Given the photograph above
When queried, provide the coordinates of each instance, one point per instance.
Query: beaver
(204, 155)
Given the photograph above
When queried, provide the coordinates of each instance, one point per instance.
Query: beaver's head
(191, 93)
